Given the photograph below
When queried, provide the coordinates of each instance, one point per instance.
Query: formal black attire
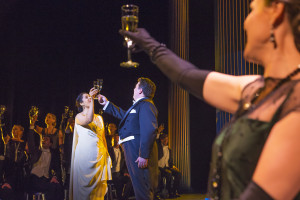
(14, 170)
(122, 183)
(173, 175)
(68, 142)
(53, 191)
(140, 121)
(3, 132)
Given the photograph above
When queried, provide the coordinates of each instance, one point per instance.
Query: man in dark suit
(137, 131)
(166, 167)
(111, 131)
(45, 173)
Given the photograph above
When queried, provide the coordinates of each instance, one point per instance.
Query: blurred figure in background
(166, 166)
(120, 175)
(45, 167)
(111, 132)
(15, 165)
(68, 142)
(50, 131)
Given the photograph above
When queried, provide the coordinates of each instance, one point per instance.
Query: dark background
(52, 50)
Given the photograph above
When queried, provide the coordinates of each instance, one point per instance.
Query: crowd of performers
(37, 160)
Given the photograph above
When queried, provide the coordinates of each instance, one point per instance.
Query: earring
(272, 38)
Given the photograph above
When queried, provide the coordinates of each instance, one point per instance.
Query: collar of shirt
(134, 101)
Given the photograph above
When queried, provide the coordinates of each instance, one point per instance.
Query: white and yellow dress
(91, 163)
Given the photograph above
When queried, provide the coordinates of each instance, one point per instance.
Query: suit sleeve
(31, 142)
(8, 168)
(55, 167)
(123, 163)
(170, 159)
(159, 149)
(111, 153)
(115, 111)
(148, 126)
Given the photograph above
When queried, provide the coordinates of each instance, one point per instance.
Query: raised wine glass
(34, 111)
(2, 109)
(98, 86)
(129, 21)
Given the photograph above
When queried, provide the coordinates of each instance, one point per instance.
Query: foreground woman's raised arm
(220, 90)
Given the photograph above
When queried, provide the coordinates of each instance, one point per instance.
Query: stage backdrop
(191, 122)
(230, 39)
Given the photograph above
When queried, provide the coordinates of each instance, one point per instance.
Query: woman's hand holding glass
(141, 39)
(33, 114)
(93, 92)
(98, 86)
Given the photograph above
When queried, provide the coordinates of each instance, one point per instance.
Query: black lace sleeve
(262, 100)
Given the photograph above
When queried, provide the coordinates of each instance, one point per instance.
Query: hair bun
(293, 10)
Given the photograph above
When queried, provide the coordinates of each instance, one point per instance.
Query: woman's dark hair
(292, 8)
(147, 86)
(78, 101)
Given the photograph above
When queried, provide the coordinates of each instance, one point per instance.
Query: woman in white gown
(90, 164)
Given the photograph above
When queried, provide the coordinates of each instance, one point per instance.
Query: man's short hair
(147, 86)
(163, 136)
(50, 138)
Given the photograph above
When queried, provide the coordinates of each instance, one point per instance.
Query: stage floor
(190, 197)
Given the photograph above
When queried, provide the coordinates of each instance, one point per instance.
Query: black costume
(172, 174)
(122, 182)
(42, 184)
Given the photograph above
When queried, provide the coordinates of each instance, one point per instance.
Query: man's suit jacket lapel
(128, 111)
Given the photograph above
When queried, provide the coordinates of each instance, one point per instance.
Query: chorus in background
(51, 131)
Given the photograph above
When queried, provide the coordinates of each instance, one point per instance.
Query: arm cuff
(254, 191)
(105, 106)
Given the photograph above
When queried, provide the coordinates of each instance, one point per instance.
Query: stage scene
(150, 100)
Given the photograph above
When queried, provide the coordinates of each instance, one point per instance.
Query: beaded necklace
(248, 105)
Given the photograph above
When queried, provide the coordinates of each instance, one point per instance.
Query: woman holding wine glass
(257, 155)
(50, 130)
(90, 164)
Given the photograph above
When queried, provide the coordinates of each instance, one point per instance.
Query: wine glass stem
(129, 54)
(129, 43)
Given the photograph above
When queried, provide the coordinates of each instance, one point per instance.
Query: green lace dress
(237, 148)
